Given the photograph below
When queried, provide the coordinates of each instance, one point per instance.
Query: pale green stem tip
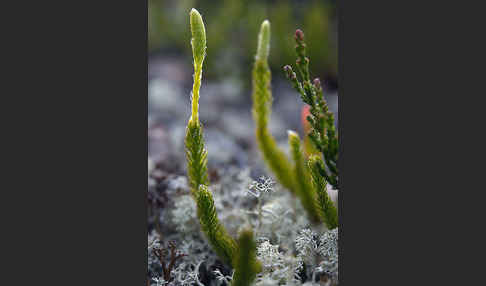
(293, 137)
(198, 40)
(263, 41)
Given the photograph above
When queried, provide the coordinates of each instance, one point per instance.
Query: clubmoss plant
(240, 255)
(246, 264)
(195, 152)
(323, 132)
(325, 206)
(307, 192)
(296, 176)
(262, 108)
(223, 244)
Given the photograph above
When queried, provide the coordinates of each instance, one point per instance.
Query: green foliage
(196, 155)
(263, 48)
(241, 256)
(262, 107)
(222, 243)
(325, 206)
(246, 264)
(198, 41)
(323, 132)
(297, 176)
(306, 191)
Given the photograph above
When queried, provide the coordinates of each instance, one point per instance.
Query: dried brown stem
(174, 256)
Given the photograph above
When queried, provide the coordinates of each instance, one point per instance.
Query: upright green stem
(262, 107)
(195, 92)
(222, 243)
(240, 255)
(306, 191)
(324, 204)
(246, 264)
(198, 43)
(195, 152)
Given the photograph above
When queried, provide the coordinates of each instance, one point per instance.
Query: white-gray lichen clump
(288, 245)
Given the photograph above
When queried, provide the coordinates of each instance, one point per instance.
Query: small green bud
(293, 137)
(198, 40)
(294, 142)
(263, 41)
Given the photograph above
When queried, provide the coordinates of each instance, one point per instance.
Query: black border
(76, 143)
